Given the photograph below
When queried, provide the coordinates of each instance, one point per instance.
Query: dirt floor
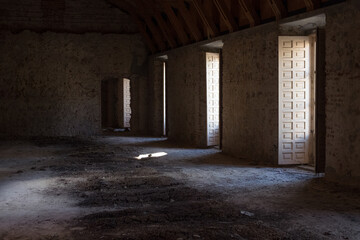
(100, 189)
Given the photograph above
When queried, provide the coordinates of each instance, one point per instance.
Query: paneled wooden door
(213, 98)
(127, 100)
(295, 106)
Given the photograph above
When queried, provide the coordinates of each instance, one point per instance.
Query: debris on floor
(96, 189)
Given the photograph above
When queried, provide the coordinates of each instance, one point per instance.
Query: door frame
(320, 103)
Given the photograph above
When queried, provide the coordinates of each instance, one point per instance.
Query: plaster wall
(250, 92)
(250, 95)
(156, 96)
(343, 92)
(186, 88)
(77, 16)
(50, 83)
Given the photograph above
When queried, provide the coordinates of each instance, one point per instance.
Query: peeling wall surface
(343, 91)
(186, 88)
(250, 92)
(50, 83)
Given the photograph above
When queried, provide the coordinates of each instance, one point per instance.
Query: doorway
(213, 98)
(115, 104)
(297, 68)
(126, 114)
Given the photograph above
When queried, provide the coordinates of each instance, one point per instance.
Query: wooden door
(294, 100)
(127, 100)
(212, 80)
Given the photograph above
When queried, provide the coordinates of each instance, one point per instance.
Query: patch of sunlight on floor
(151, 155)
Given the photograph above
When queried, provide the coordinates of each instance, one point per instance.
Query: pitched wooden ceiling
(168, 24)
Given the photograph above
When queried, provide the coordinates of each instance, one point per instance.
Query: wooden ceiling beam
(165, 30)
(206, 20)
(175, 22)
(150, 4)
(249, 10)
(278, 8)
(129, 9)
(226, 15)
(149, 22)
(189, 20)
(312, 4)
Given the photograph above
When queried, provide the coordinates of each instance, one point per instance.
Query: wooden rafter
(182, 21)
(189, 20)
(197, 19)
(226, 15)
(168, 24)
(206, 20)
(250, 12)
(235, 10)
(175, 22)
(278, 8)
(149, 22)
(128, 8)
(149, 4)
(312, 4)
(165, 30)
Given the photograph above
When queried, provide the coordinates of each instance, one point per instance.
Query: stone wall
(343, 91)
(250, 92)
(50, 83)
(156, 96)
(250, 99)
(77, 16)
(186, 88)
(249, 95)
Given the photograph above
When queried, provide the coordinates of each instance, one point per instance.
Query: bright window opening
(213, 98)
(164, 98)
(126, 102)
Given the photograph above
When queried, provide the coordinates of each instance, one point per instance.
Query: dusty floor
(97, 189)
